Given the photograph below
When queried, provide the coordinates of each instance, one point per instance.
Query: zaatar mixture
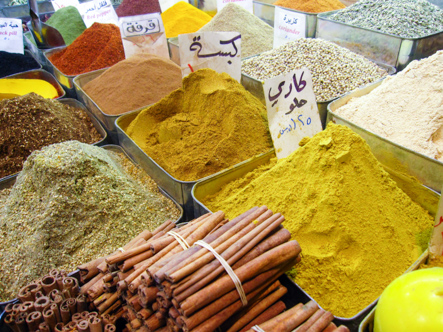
(30, 122)
(71, 203)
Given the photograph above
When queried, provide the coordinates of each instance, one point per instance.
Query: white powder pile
(256, 35)
(406, 108)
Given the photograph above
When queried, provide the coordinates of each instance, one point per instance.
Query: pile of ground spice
(137, 7)
(31, 122)
(123, 87)
(256, 35)
(13, 63)
(68, 22)
(210, 124)
(406, 108)
(311, 6)
(71, 203)
(98, 47)
(357, 229)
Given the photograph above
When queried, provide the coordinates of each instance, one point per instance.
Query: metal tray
(97, 125)
(179, 190)
(427, 198)
(427, 170)
(40, 74)
(29, 42)
(378, 46)
(38, 65)
(255, 87)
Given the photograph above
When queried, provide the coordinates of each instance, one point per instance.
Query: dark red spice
(138, 7)
(98, 47)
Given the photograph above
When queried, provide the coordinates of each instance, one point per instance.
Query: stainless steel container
(179, 190)
(427, 170)
(427, 198)
(22, 11)
(29, 42)
(66, 81)
(378, 46)
(174, 51)
(40, 74)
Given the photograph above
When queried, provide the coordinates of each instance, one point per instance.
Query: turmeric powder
(356, 228)
(311, 6)
(14, 87)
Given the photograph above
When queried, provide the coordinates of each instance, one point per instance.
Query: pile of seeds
(335, 70)
(71, 203)
(404, 18)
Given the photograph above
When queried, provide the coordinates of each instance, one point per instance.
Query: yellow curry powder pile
(209, 124)
(358, 231)
(311, 6)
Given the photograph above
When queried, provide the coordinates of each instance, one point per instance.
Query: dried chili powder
(98, 47)
(138, 7)
(30, 122)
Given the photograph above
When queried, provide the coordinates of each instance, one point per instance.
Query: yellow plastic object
(13, 87)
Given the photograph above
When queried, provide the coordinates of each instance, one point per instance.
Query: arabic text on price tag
(246, 4)
(58, 4)
(100, 11)
(220, 51)
(143, 34)
(288, 26)
(436, 246)
(292, 110)
(11, 35)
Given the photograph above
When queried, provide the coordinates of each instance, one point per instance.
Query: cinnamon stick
(331, 328)
(341, 328)
(90, 283)
(271, 312)
(90, 269)
(306, 325)
(322, 322)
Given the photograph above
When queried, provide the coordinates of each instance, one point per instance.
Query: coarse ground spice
(406, 108)
(335, 70)
(404, 18)
(208, 125)
(138, 81)
(71, 203)
(256, 35)
(13, 63)
(311, 6)
(138, 7)
(357, 229)
(68, 22)
(98, 47)
(30, 122)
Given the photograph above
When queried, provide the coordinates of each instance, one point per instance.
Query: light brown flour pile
(406, 108)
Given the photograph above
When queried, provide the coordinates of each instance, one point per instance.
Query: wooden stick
(274, 310)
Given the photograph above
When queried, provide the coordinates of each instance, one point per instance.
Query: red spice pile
(138, 7)
(98, 47)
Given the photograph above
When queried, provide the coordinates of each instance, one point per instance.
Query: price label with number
(436, 246)
(11, 35)
(144, 34)
(292, 110)
(220, 51)
(58, 4)
(246, 4)
(288, 26)
(100, 11)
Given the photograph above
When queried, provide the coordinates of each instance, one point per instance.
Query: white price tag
(288, 26)
(246, 4)
(436, 246)
(57, 4)
(220, 51)
(292, 110)
(100, 11)
(144, 34)
(11, 35)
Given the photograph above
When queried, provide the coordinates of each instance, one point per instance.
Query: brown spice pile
(30, 122)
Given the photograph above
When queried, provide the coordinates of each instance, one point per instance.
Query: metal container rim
(51, 51)
(289, 9)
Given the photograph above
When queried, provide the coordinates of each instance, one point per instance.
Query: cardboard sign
(144, 34)
(246, 4)
(57, 4)
(220, 51)
(11, 35)
(436, 245)
(100, 11)
(288, 26)
(292, 110)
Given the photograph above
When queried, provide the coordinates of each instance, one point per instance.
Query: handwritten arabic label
(220, 51)
(100, 11)
(11, 35)
(58, 4)
(436, 246)
(144, 34)
(288, 26)
(292, 110)
(246, 4)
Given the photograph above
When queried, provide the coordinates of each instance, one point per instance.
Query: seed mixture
(335, 70)
(71, 203)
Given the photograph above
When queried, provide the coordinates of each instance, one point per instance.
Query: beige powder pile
(406, 108)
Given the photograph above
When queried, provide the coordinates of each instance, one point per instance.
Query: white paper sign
(144, 34)
(246, 4)
(100, 11)
(11, 35)
(220, 51)
(292, 110)
(57, 4)
(288, 26)
(436, 246)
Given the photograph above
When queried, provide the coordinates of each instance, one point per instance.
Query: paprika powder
(98, 47)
